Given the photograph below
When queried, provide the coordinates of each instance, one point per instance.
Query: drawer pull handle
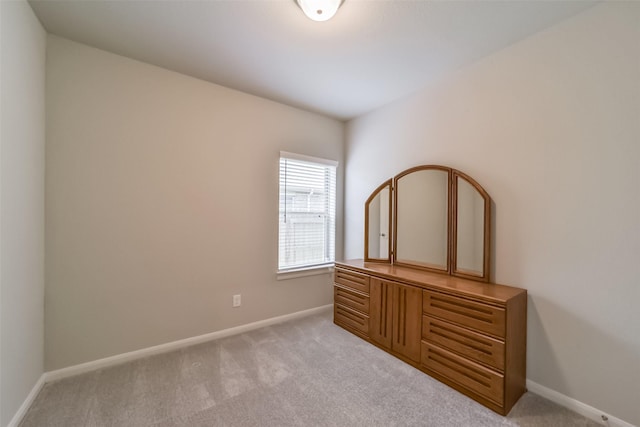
(464, 370)
(451, 335)
(351, 316)
(351, 297)
(351, 277)
(460, 304)
(452, 308)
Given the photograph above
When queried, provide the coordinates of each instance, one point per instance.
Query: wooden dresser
(467, 334)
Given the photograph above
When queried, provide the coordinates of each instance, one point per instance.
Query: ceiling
(371, 53)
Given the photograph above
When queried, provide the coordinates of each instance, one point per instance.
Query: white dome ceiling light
(319, 10)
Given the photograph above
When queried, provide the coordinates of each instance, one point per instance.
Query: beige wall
(162, 202)
(551, 128)
(22, 204)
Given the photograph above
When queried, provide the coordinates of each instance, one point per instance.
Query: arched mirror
(377, 220)
(422, 218)
(471, 228)
(441, 222)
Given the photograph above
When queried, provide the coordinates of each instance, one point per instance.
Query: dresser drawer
(353, 280)
(352, 299)
(472, 314)
(470, 344)
(351, 319)
(464, 372)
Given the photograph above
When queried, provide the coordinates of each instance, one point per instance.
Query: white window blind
(307, 212)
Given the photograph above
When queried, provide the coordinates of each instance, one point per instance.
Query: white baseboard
(576, 406)
(15, 421)
(174, 345)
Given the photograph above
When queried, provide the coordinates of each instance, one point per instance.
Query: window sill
(305, 271)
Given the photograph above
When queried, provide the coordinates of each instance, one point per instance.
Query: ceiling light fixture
(319, 10)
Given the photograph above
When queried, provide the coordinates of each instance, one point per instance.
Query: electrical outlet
(237, 300)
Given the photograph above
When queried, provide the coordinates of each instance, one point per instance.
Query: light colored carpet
(306, 372)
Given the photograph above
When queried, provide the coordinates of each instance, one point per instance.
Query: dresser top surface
(487, 291)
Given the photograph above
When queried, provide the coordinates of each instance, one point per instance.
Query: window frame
(311, 268)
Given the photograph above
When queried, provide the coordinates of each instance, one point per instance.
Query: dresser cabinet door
(380, 311)
(407, 321)
(396, 317)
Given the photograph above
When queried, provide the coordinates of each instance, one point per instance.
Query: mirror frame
(452, 225)
(486, 246)
(367, 258)
(421, 266)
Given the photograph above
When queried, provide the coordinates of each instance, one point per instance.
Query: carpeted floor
(306, 372)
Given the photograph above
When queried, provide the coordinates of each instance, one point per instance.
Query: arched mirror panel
(422, 218)
(377, 220)
(471, 228)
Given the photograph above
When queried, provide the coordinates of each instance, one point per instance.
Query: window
(307, 212)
